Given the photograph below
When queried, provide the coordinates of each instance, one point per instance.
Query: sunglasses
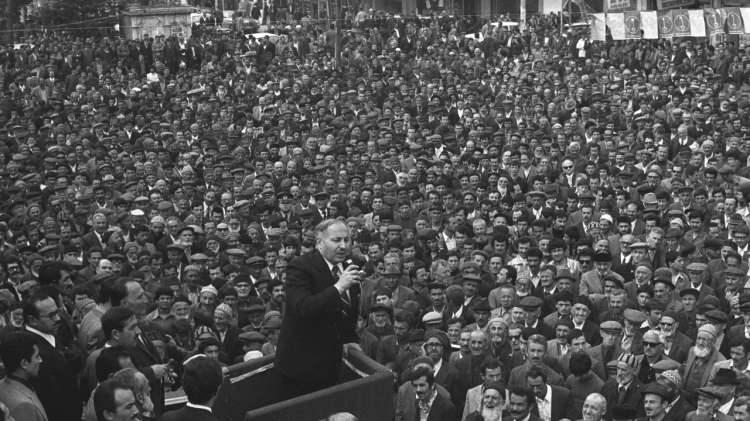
(651, 344)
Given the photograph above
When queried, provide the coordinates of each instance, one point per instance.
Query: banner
(714, 21)
(674, 4)
(697, 23)
(681, 22)
(632, 25)
(733, 21)
(598, 27)
(616, 23)
(650, 25)
(745, 13)
(666, 24)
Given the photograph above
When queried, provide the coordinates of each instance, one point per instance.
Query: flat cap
(531, 302)
(634, 316)
(611, 326)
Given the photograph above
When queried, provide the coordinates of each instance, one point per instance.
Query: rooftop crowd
(553, 228)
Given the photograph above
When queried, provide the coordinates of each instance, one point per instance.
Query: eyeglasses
(567, 168)
(666, 324)
(651, 344)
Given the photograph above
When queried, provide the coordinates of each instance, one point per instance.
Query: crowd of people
(548, 228)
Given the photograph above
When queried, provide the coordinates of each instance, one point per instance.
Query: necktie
(621, 394)
(336, 272)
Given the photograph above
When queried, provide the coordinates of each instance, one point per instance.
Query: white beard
(701, 352)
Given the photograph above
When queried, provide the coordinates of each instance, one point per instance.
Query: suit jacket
(718, 416)
(317, 321)
(680, 347)
(561, 407)
(144, 355)
(631, 398)
(442, 410)
(447, 376)
(518, 376)
(231, 344)
(713, 359)
(21, 401)
(554, 348)
(406, 403)
(90, 240)
(57, 384)
(679, 410)
(597, 354)
(187, 413)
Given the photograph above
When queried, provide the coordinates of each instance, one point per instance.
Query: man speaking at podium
(322, 296)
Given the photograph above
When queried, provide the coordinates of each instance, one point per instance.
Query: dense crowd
(552, 227)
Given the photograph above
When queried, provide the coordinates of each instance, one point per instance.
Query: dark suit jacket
(680, 347)
(317, 322)
(144, 355)
(561, 407)
(231, 344)
(91, 241)
(442, 410)
(57, 384)
(447, 377)
(679, 410)
(187, 413)
(631, 398)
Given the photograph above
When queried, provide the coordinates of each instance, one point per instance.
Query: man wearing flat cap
(707, 407)
(592, 282)
(697, 273)
(609, 349)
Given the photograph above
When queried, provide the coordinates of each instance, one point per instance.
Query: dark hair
(29, 305)
(525, 392)
(104, 397)
(115, 319)
(535, 372)
(420, 372)
(16, 347)
(580, 363)
(573, 334)
(201, 379)
(108, 362)
(49, 272)
(112, 292)
(163, 290)
(490, 364)
(740, 341)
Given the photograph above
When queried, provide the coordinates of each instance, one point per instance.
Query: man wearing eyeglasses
(56, 385)
(653, 352)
